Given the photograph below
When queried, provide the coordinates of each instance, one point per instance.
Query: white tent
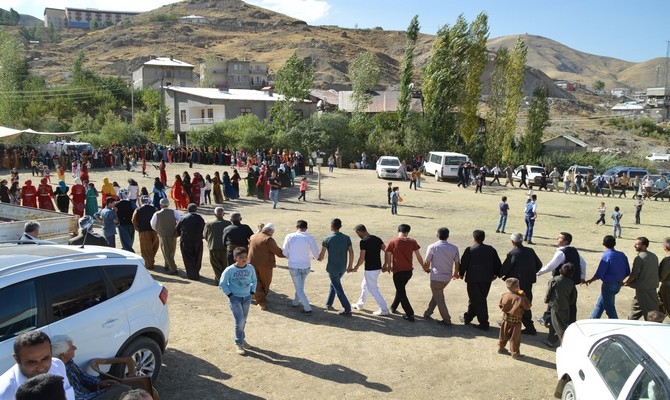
(10, 133)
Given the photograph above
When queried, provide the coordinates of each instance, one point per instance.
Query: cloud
(306, 10)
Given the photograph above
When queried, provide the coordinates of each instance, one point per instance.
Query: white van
(444, 164)
(56, 147)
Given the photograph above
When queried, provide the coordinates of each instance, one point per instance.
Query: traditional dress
(91, 201)
(251, 183)
(216, 188)
(83, 176)
(78, 198)
(163, 174)
(178, 195)
(107, 190)
(228, 189)
(195, 189)
(29, 195)
(513, 305)
(45, 196)
(62, 199)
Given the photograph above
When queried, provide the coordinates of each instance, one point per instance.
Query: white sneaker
(381, 312)
(240, 349)
(355, 306)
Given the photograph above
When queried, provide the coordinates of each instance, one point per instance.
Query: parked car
(533, 171)
(574, 169)
(444, 164)
(388, 167)
(658, 157)
(658, 189)
(631, 172)
(614, 359)
(103, 298)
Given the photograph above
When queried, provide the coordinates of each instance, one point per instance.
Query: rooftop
(167, 62)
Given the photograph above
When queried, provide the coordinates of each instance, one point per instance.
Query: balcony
(204, 121)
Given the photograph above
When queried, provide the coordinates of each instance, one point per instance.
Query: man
(124, 213)
(555, 176)
(523, 172)
(565, 254)
(523, 264)
(236, 235)
(530, 215)
(42, 387)
(31, 231)
(664, 278)
(297, 248)
(190, 229)
(442, 262)
(370, 248)
(164, 222)
(109, 221)
(398, 257)
(32, 353)
(148, 237)
(275, 186)
(612, 270)
(86, 234)
(480, 265)
(462, 179)
(644, 278)
(509, 173)
(262, 252)
(218, 255)
(496, 175)
(86, 386)
(340, 260)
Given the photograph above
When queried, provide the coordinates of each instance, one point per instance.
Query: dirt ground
(325, 355)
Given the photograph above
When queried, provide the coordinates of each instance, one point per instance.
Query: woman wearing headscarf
(195, 189)
(45, 195)
(235, 181)
(15, 194)
(186, 181)
(62, 199)
(178, 195)
(216, 188)
(78, 194)
(107, 190)
(4, 191)
(83, 175)
(163, 173)
(158, 192)
(91, 200)
(251, 182)
(228, 190)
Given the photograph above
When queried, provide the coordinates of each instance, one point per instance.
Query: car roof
(447, 153)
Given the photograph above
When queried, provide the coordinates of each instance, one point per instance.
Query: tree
(538, 119)
(476, 58)
(293, 80)
(494, 117)
(13, 73)
(598, 85)
(407, 73)
(364, 75)
(515, 73)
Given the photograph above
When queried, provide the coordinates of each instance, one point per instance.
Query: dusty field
(365, 357)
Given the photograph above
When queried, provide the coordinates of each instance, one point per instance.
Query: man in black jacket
(480, 265)
(190, 228)
(236, 235)
(522, 263)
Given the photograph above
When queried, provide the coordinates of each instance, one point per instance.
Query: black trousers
(477, 307)
(191, 253)
(527, 317)
(400, 280)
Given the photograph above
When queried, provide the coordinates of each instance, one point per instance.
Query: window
(614, 364)
(646, 387)
(182, 116)
(122, 277)
(71, 292)
(18, 309)
(434, 158)
(245, 111)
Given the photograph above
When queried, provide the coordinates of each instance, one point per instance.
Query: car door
(82, 304)
(614, 368)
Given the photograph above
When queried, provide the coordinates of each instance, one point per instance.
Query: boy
(616, 224)
(513, 304)
(504, 208)
(480, 182)
(638, 208)
(602, 210)
(303, 189)
(395, 198)
(238, 282)
(561, 296)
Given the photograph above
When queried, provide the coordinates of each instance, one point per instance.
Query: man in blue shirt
(340, 260)
(109, 221)
(612, 270)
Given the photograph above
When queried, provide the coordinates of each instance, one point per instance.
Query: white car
(614, 359)
(388, 167)
(103, 298)
(658, 157)
(533, 171)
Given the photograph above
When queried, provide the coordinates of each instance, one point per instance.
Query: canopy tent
(10, 133)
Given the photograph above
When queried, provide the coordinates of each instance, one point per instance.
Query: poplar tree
(13, 73)
(476, 58)
(407, 72)
(364, 75)
(538, 120)
(515, 73)
(293, 80)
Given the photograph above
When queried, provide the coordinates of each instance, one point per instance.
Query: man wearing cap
(124, 212)
(236, 235)
(148, 237)
(164, 222)
(190, 229)
(218, 255)
(86, 235)
(262, 252)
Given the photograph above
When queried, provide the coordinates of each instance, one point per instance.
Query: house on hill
(71, 17)
(163, 71)
(193, 19)
(234, 73)
(564, 143)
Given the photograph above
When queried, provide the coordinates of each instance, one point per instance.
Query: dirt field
(324, 355)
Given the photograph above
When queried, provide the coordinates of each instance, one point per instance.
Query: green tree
(476, 58)
(494, 117)
(407, 73)
(515, 73)
(364, 75)
(598, 85)
(293, 80)
(13, 73)
(538, 119)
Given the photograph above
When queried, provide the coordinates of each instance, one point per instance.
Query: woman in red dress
(178, 194)
(29, 195)
(83, 175)
(195, 188)
(78, 193)
(163, 174)
(45, 195)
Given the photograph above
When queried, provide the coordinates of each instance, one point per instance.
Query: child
(561, 296)
(513, 304)
(638, 209)
(602, 209)
(47, 174)
(504, 208)
(480, 183)
(303, 189)
(208, 189)
(238, 282)
(616, 224)
(389, 189)
(144, 167)
(395, 198)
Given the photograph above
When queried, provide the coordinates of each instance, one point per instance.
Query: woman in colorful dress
(216, 188)
(235, 181)
(91, 200)
(163, 173)
(178, 194)
(158, 192)
(15, 194)
(62, 199)
(228, 189)
(195, 189)
(107, 190)
(78, 194)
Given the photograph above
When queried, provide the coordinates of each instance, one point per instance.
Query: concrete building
(83, 17)
(163, 71)
(564, 143)
(193, 19)
(55, 17)
(233, 74)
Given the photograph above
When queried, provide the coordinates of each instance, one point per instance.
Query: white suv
(103, 298)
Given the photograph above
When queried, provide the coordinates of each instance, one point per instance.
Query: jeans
(616, 228)
(605, 301)
(127, 237)
(111, 240)
(501, 223)
(240, 308)
(369, 286)
(400, 280)
(638, 210)
(394, 208)
(530, 224)
(274, 196)
(336, 288)
(299, 275)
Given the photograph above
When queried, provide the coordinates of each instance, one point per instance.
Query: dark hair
(192, 207)
(109, 200)
(42, 387)
(404, 228)
(29, 339)
(616, 208)
(609, 241)
(534, 197)
(478, 235)
(360, 228)
(567, 270)
(336, 223)
(566, 236)
(644, 241)
(443, 233)
(301, 224)
(504, 198)
(238, 251)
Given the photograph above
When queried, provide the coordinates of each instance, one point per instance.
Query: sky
(622, 29)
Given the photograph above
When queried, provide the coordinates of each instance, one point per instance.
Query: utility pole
(667, 62)
(162, 116)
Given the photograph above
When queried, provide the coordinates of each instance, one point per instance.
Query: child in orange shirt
(303, 189)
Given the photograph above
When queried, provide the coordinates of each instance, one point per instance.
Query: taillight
(164, 295)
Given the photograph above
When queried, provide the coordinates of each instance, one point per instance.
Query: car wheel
(569, 391)
(146, 355)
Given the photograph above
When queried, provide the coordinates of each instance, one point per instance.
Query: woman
(83, 176)
(4, 191)
(107, 190)
(208, 189)
(163, 174)
(178, 194)
(91, 200)
(216, 188)
(228, 190)
(195, 189)
(62, 199)
(14, 175)
(78, 194)
(15, 194)
(45, 195)
(235, 181)
(186, 181)
(158, 192)
(133, 191)
(251, 183)
(60, 174)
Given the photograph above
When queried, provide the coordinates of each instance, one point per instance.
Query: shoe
(503, 351)
(246, 345)
(355, 306)
(166, 269)
(542, 322)
(173, 273)
(502, 231)
(445, 323)
(394, 311)
(549, 344)
(519, 357)
(497, 231)
(482, 327)
(427, 317)
(527, 331)
(263, 307)
(530, 242)
(346, 313)
(329, 308)
(463, 320)
(409, 318)
(381, 312)
(239, 349)
(307, 312)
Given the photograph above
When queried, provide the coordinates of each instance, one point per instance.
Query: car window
(122, 276)
(434, 158)
(18, 309)
(646, 388)
(454, 160)
(614, 364)
(73, 291)
(536, 170)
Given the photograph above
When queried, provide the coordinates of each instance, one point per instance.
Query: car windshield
(390, 161)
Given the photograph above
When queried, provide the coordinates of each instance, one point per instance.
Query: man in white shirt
(31, 231)
(32, 352)
(297, 248)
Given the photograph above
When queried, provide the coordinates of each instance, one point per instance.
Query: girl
(208, 189)
(303, 189)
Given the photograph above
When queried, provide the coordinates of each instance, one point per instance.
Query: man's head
(192, 208)
(512, 284)
(534, 197)
(110, 202)
(164, 203)
(268, 229)
(404, 228)
(136, 394)
(478, 235)
(641, 244)
(666, 244)
(335, 224)
(567, 270)
(564, 239)
(652, 316)
(361, 230)
(443, 233)
(517, 239)
(42, 387)
(218, 212)
(32, 353)
(301, 225)
(609, 241)
(235, 217)
(62, 347)
(32, 228)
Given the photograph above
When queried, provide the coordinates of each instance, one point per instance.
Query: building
(382, 101)
(564, 143)
(193, 19)
(163, 71)
(190, 108)
(55, 17)
(83, 17)
(234, 74)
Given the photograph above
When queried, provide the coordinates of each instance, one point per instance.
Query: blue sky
(622, 29)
